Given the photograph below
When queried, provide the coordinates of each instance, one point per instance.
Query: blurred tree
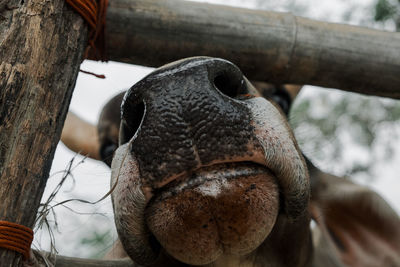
(388, 10)
(348, 134)
(97, 243)
(345, 133)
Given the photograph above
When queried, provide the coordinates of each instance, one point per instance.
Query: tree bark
(267, 46)
(41, 47)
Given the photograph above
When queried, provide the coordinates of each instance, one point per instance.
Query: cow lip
(190, 179)
(204, 174)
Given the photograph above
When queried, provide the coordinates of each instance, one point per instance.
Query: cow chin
(226, 209)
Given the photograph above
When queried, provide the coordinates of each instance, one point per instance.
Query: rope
(94, 13)
(100, 76)
(16, 237)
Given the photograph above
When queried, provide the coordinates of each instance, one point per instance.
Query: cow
(206, 172)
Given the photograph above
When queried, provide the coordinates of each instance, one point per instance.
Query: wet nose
(186, 115)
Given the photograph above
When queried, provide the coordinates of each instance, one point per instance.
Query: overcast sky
(92, 177)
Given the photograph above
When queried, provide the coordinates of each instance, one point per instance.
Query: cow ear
(81, 136)
(354, 223)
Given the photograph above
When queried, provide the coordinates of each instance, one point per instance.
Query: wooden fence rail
(276, 47)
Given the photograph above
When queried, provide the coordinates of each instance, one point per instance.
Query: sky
(78, 222)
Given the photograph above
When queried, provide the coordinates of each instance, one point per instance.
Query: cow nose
(186, 115)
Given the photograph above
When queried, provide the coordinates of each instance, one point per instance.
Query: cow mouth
(210, 179)
(227, 208)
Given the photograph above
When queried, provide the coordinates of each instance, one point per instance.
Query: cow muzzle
(203, 164)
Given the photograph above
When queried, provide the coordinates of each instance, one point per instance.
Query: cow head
(204, 166)
(207, 172)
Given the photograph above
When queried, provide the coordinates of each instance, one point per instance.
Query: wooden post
(41, 47)
(267, 46)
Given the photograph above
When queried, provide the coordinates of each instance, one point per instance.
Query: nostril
(132, 117)
(230, 85)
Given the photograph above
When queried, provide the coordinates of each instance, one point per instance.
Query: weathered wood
(41, 47)
(62, 261)
(275, 47)
(76, 262)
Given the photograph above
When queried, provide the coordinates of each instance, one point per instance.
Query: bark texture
(41, 47)
(267, 46)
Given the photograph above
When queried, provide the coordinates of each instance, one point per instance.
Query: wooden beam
(63, 261)
(267, 46)
(41, 47)
(76, 262)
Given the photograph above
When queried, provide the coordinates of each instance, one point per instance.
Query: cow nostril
(131, 119)
(230, 86)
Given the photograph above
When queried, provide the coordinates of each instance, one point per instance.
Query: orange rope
(94, 13)
(16, 237)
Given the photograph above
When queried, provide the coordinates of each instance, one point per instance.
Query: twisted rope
(94, 13)
(16, 237)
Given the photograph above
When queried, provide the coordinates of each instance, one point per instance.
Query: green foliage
(384, 10)
(97, 242)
